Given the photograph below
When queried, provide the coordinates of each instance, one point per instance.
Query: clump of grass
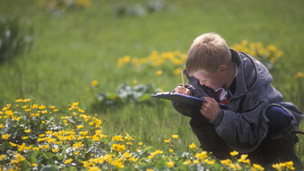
(33, 138)
(15, 37)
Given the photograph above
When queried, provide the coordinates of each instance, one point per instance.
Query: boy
(255, 122)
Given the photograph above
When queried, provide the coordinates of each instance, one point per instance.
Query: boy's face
(213, 80)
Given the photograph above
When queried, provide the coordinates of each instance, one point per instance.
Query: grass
(80, 46)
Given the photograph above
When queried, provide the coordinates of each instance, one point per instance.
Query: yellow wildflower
(159, 72)
(68, 161)
(167, 141)
(2, 157)
(192, 146)
(27, 131)
(202, 155)
(170, 164)
(140, 143)
(19, 158)
(187, 162)
(234, 153)
(5, 136)
(13, 144)
(41, 107)
(94, 83)
(298, 75)
(175, 136)
(257, 166)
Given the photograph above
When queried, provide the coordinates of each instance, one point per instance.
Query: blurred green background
(72, 47)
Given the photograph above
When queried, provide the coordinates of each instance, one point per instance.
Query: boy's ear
(223, 68)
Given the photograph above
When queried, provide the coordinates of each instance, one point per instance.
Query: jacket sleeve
(245, 129)
(186, 109)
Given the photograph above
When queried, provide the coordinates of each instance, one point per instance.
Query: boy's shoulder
(250, 70)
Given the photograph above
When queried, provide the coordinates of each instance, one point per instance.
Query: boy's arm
(244, 130)
(183, 108)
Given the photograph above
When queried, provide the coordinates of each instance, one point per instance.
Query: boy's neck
(231, 72)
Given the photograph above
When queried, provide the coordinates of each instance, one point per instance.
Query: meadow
(75, 54)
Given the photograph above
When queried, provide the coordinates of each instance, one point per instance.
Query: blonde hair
(208, 52)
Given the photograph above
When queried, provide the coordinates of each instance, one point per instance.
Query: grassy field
(77, 47)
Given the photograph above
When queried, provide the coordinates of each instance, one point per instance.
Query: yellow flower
(94, 83)
(175, 136)
(257, 166)
(133, 159)
(2, 157)
(187, 162)
(167, 141)
(127, 155)
(19, 100)
(34, 164)
(24, 138)
(41, 107)
(171, 150)
(201, 155)
(244, 159)
(159, 72)
(1, 126)
(170, 164)
(68, 161)
(5, 136)
(140, 143)
(210, 162)
(13, 144)
(19, 158)
(55, 150)
(234, 153)
(192, 146)
(299, 75)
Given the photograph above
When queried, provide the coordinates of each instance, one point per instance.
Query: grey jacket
(243, 124)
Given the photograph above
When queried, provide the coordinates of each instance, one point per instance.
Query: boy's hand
(210, 108)
(180, 90)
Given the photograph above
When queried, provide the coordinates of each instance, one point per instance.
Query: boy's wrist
(218, 118)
